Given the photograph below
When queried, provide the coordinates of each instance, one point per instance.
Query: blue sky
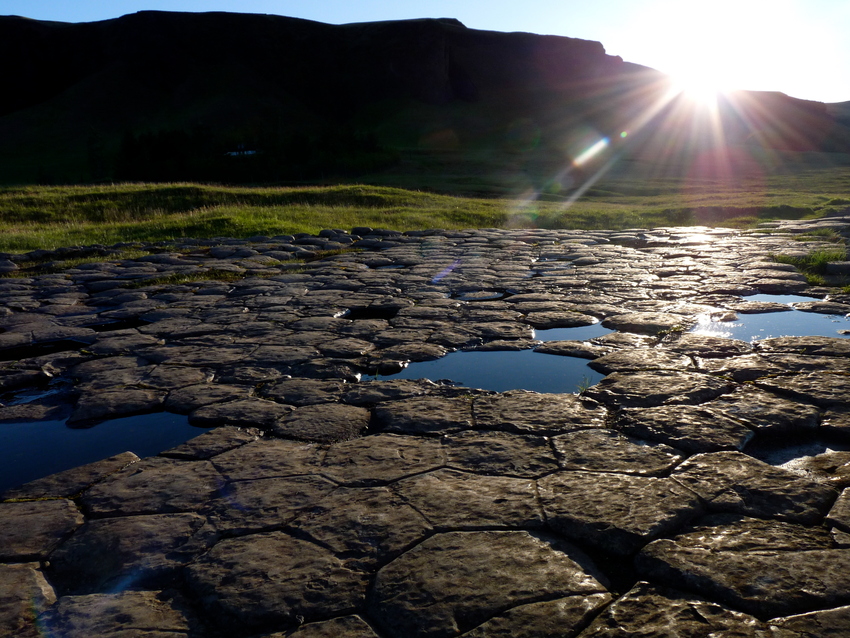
(799, 47)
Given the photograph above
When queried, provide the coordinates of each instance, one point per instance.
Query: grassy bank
(52, 216)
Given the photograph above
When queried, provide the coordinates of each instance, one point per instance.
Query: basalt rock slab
(767, 413)
(301, 392)
(648, 323)
(763, 568)
(147, 614)
(547, 619)
(188, 399)
(112, 404)
(212, 443)
(456, 581)
(71, 482)
(500, 453)
(837, 419)
(649, 389)
(823, 389)
(618, 513)
(706, 346)
(735, 482)
(30, 530)
(829, 623)
(580, 349)
(154, 486)
(246, 507)
(323, 423)
(265, 581)
(127, 552)
(24, 594)
(610, 451)
(641, 359)
(345, 627)
(269, 458)
(249, 413)
(814, 345)
(367, 526)
(546, 320)
(382, 458)
(425, 415)
(525, 412)
(691, 428)
(457, 500)
(651, 611)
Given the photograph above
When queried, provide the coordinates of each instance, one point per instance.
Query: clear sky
(799, 47)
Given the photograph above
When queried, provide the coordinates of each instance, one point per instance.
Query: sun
(700, 89)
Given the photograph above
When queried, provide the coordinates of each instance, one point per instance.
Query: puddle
(33, 450)
(501, 371)
(753, 327)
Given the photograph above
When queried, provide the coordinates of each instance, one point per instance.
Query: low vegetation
(813, 264)
(52, 216)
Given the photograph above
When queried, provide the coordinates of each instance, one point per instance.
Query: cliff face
(75, 91)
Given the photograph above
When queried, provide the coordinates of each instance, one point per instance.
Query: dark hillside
(250, 98)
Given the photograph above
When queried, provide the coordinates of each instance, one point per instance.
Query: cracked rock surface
(702, 488)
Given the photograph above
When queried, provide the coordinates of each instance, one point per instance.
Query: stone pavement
(326, 504)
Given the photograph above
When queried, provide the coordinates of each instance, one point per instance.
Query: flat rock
(839, 515)
(259, 505)
(813, 346)
(829, 623)
(323, 423)
(649, 323)
(300, 392)
(30, 530)
(837, 419)
(24, 594)
(735, 482)
(610, 451)
(546, 320)
(212, 443)
(147, 614)
(707, 346)
(457, 500)
(454, 582)
(500, 453)
(617, 513)
(381, 458)
(425, 415)
(641, 359)
(649, 389)
(373, 392)
(71, 482)
(691, 428)
(547, 619)
(267, 458)
(345, 627)
(823, 389)
(767, 413)
(765, 568)
(190, 398)
(580, 349)
(368, 526)
(651, 611)
(263, 581)
(525, 412)
(153, 486)
(249, 413)
(133, 551)
(112, 404)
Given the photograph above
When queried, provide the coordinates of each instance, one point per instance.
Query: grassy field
(53, 216)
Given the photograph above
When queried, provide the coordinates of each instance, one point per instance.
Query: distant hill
(226, 97)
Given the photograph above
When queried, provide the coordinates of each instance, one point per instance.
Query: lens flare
(591, 152)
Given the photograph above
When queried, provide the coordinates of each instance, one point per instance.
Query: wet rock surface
(329, 500)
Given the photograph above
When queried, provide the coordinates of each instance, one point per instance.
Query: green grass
(813, 265)
(53, 216)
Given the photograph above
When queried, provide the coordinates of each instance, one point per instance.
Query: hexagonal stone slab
(525, 412)
(548, 619)
(425, 415)
(301, 392)
(648, 323)
(24, 593)
(648, 389)
(650, 611)
(735, 482)
(71, 482)
(345, 627)
(132, 613)
(813, 345)
(706, 346)
(500, 453)
(765, 412)
(367, 525)
(131, 551)
(824, 389)
(30, 530)
(457, 500)
(111, 404)
(766, 568)
(193, 397)
(641, 359)
(618, 513)
(259, 505)
(323, 423)
(248, 413)
(381, 459)
(263, 581)
(691, 428)
(609, 451)
(454, 582)
(829, 623)
(212, 443)
(154, 486)
(267, 458)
